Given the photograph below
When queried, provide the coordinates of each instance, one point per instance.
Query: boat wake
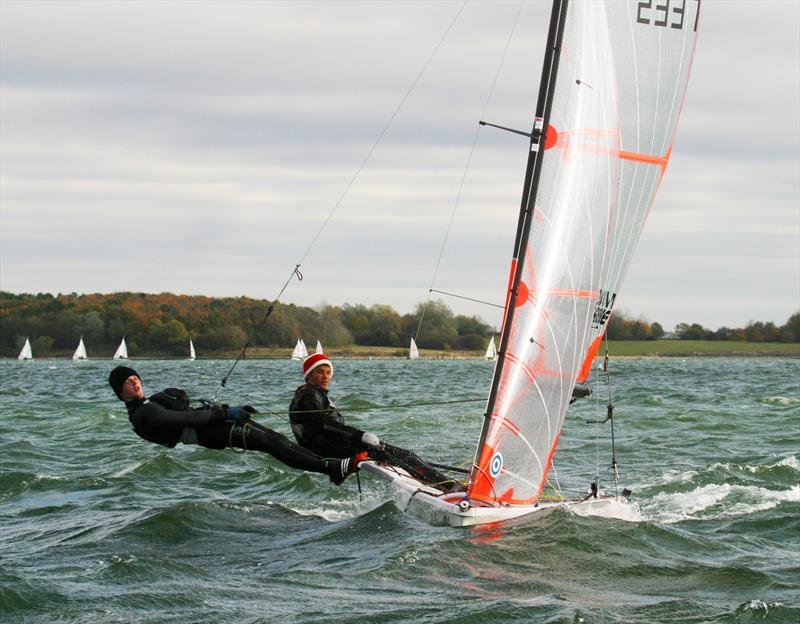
(627, 511)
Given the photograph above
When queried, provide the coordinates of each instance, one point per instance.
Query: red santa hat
(314, 360)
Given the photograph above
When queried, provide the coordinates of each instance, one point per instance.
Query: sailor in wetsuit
(320, 427)
(166, 418)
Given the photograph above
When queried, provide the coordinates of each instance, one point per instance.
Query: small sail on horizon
(80, 352)
(413, 352)
(122, 351)
(192, 354)
(319, 347)
(491, 351)
(26, 353)
(299, 352)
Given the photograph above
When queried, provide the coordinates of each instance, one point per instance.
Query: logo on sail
(602, 309)
(496, 465)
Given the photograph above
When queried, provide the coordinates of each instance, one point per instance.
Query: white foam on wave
(627, 511)
(126, 470)
(673, 476)
(763, 499)
(760, 605)
(781, 400)
(680, 506)
(678, 475)
(790, 461)
(335, 510)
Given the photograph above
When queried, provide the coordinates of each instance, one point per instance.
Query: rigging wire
(383, 132)
(469, 161)
(296, 270)
(609, 417)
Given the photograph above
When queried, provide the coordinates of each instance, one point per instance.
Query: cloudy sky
(198, 148)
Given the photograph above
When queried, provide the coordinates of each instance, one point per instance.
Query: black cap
(118, 377)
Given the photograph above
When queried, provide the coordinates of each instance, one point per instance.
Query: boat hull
(437, 509)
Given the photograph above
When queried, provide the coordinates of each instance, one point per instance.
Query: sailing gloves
(240, 415)
(370, 439)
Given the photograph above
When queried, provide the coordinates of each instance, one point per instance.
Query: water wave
(781, 401)
(706, 502)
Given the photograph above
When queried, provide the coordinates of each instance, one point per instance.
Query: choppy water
(97, 525)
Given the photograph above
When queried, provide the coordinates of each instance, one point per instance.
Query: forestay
(611, 96)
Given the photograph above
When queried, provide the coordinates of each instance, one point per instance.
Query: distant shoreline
(617, 349)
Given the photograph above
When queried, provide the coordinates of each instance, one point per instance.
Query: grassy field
(702, 348)
(621, 348)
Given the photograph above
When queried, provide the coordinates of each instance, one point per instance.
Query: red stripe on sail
(515, 360)
(591, 354)
(548, 465)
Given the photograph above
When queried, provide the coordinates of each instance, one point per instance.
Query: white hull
(431, 506)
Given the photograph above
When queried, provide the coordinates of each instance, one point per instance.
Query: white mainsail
(122, 351)
(26, 353)
(491, 350)
(613, 92)
(413, 352)
(80, 352)
(192, 354)
(319, 347)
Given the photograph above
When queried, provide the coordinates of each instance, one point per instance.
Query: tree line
(162, 324)
(159, 325)
(622, 328)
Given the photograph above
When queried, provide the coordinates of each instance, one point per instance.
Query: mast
(532, 174)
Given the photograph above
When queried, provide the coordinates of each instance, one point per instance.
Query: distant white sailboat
(300, 352)
(192, 354)
(26, 353)
(491, 351)
(122, 351)
(413, 352)
(80, 352)
(319, 347)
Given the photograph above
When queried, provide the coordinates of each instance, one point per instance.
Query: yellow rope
(245, 429)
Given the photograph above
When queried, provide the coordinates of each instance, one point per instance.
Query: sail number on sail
(666, 13)
(602, 309)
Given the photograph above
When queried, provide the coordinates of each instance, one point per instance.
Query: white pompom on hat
(314, 360)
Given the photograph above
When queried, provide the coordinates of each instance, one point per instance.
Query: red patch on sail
(522, 294)
(550, 137)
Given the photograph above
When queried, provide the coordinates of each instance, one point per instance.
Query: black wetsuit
(166, 418)
(320, 427)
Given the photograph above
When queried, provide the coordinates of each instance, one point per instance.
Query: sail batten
(612, 87)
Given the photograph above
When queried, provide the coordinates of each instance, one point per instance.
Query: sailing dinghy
(491, 351)
(413, 352)
(192, 353)
(300, 352)
(611, 92)
(26, 353)
(122, 351)
(80, 351)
